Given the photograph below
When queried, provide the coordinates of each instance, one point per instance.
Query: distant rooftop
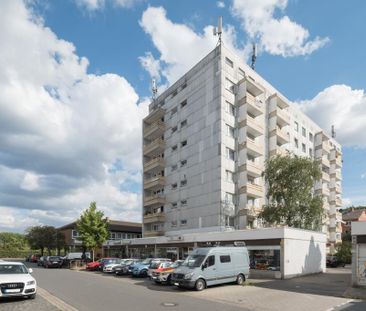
(113, 225)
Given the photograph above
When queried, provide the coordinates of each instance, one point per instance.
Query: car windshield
(54, 258)
(13, 269)
(194, 260)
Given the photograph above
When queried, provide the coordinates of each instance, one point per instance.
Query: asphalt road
(93, 291)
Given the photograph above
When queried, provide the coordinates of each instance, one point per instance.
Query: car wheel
(240, 279)
(32, 296)
(144, 273)
(169, 280)
(200, 285)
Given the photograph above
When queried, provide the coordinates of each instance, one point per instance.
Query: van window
(225, 258)
(210, 260)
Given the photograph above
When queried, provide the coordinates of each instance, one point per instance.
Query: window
(310, 152)
(74, 234)
(174, 148)
(225, 258)
(241, 74)
(229, 85)
(210, 261)
(173, 111)
(296, 143)
(230, 108)
(183, 143)
(296, 126)
(183, 222)
(174, 167)
(183, 163)
(310, 136)
(183, 183)
(174, 204)
(174, 186)
(303, 148)
(183, 104)
(229, 62)
(304, 132)
(230, 154)
(174, 129)
(174, 93)
(183, 202)
(183, 123)
(229, 198)
(230, 131)
(173, 224)
(229, 176)
(112, 236)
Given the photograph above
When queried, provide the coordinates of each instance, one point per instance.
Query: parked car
(40, 261)
(32, 257)
(93, 265)
(124, 268)
(105, 261)
(211, 266)
(164, 272)
(140, 269)
(16, 280)
(156, 264)
(52, 262)
(334, 262)
(109, 267)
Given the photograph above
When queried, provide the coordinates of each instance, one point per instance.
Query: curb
(57, 302)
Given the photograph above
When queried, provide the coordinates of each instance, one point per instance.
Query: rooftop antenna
(217, 31)
(154, 89)
(254, 56)
(333, 132)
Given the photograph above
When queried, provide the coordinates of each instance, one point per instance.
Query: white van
(211, 266)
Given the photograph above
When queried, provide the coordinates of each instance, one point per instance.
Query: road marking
(340, 305)
(57, 302)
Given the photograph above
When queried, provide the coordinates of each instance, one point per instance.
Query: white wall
(304, 253)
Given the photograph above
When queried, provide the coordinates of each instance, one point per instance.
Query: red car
(94, 265)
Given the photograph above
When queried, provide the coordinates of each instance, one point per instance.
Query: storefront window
(268, 259)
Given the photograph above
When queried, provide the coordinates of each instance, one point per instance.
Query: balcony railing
(154, 130)
(253, 126)
(252, 168)
(156, 182)
(154, 115)
(253, 190)
(154, 164)
(325, 176)
(278, 151)
(151, 233)
(253, 105)
(252, 147)
(154, 217)
(155, 147)
(154, 199)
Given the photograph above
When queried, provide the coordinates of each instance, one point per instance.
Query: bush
(15, 253)
(344, 252)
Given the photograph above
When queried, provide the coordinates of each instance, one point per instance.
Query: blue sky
(61, 150)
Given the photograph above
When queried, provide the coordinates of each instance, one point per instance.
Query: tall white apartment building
(205, 143)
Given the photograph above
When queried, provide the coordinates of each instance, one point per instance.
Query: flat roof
(358, 228)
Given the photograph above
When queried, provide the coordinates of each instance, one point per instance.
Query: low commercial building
(352, 215)
(118, 230)
(274, 252)
(358, 253)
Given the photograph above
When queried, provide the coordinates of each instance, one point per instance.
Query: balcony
(278, 151)
(154, 130)
(156, 147)
(252, 190)
(324, 146)
(253, 126)
(252, 105)
(252, 168)
(157, 199)
(282, 136)
(154, 165)
(325, 176)
(252, 148)
(154, 183)
(151, 233)
(337, 161)
(323, 190)
(337, 175)
(332, 211)
(282, 116)
(155, 115)
(151, 218)
(280, 101)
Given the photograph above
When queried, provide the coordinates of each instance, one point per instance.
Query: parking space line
(57, 302)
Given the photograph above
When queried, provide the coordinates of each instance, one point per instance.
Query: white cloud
(180, 46)
(277, 36)
(343, 107)
(220, 4)
(65, 135)
(151, 65)
(14, 220)
(363, 175)
(346, 202)
(93, 5)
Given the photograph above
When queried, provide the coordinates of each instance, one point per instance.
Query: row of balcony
(252, 190)
(282, 136)
(253, 126)
(252, 168)
(154, 130)
(252, 147)
(154, 183)
(154, 165)
(155, 147)
(154, 217)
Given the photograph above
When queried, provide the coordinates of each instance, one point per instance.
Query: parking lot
(82, 290)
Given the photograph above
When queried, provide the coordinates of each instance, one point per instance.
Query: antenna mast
(333, 132)
(154, 89)
(217, 31)
(254, 56)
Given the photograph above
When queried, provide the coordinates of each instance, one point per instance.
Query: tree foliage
(92, 228)
(11, 241)
(291, 200)
(344, 253)
(45, 237)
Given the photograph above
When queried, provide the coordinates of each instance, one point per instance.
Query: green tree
(292, 201)
(42, 237)
(344, 252)
(11, 241)
(92, 228)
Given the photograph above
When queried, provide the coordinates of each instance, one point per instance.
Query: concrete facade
(206, 140)
(358, 232)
